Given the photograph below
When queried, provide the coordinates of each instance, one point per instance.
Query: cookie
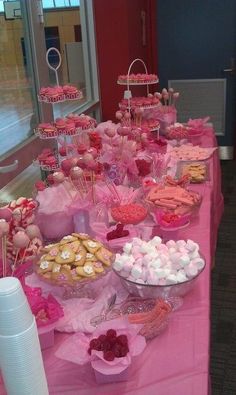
(85, 271)
(56, 267)
(49, 247)
(90, 257)
(74, 245)
(65, 256)
(45, 266)
(63, 276)
(81, 236)
(104, 255)
(98, 267)
(80, 259)
(91, 245)
(75, 276)
(52, 254)
(68, 239)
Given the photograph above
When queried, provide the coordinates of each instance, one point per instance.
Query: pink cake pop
(119, 115)
(4, 227)
(5, 213)
(110, 132)
(93, 152)
(66, 165)
(33, 232)
(87, 158)
(76, 172)
(123, 130)
(21, 240)
(58, 177)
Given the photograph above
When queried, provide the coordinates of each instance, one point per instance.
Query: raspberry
(89, 351)
(122, 340)
(117, 350)
(111, 333)
(124, 350)
(105, 346)
(102, 338)
(109, 355)
(95, 344)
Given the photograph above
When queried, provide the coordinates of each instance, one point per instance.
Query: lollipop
(5, 213)
(123, 130)
(20, 241)
(33, 231)
(58, 177)
(4, 230)
(110, 132)
(119, 115)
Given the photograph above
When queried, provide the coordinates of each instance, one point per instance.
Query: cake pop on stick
(4, 230)
(170, 91)
(20, 240)
(175, 97)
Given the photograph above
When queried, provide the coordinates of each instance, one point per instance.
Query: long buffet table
(177, 361)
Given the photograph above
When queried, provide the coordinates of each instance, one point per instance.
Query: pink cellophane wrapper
(46, 310)
(75, 348)
(53, 217)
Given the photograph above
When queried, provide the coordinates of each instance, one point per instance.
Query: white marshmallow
(172, 250)
(144, 248)
(156, 241)
(181, 277)
(118, 265)
(199, 262)
(194, 254)
(164, 258)
(123, 273)
(184, 260)
(156, 263)
(127, 248)
(180, 243)
(136, 241)
(191, 270)
(171, 279)
(175, 257)
(136, 271)
(171, 243)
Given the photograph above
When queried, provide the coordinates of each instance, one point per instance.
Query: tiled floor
(223, 307)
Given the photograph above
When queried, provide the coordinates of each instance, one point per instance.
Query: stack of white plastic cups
(20, 354)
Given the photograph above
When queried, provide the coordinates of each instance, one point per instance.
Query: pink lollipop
(119, 115)
(127, 115)
(123, 130)
(33, 231)
(4, 227)
(5, 213)
(66, 165)
(21, 240)
(58, 177)
(76, 172)
(80, 162)
(93, 152)
(110, 132)
(87, 158)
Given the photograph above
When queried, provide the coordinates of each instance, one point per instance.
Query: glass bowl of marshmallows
(155, 269)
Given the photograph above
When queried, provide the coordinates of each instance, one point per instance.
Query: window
(51, 3)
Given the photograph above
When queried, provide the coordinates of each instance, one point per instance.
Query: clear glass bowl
(159, 291)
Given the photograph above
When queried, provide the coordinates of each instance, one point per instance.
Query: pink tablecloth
(176, 362)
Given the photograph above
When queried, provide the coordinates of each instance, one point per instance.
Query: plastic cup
(21, 363)
(15, 312)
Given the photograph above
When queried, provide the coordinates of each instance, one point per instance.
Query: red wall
(119, 41)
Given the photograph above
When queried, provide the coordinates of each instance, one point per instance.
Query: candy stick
(171, 91)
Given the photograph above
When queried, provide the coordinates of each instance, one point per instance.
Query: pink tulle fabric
(75, 348)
